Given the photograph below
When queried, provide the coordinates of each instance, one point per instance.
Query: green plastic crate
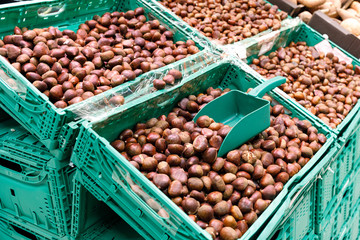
(112, 179)
(351, 146)
(326, 190)
(296, 222)
(334, 179)
(356, 188)
(32, 109)
(34, 194)
(199, 37)
(37, 192)
(122, 209)
(15, 140)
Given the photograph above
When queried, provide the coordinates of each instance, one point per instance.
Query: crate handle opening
(23, 232)
(11, 165)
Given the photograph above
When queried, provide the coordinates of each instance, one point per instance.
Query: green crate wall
(354, 225)
(35, 185)
(332, 222)
(37, 198)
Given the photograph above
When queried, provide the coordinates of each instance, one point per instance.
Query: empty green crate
(32, 109)
(90, 220)
(111, 178)
(121, 209)
(113, 228)
(199, 37)
(15, 140)
(37, 191)
(33, 195)
(34, 184)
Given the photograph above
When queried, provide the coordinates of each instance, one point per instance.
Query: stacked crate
(38, 197)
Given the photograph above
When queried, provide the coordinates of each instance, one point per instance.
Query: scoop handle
(266, 86)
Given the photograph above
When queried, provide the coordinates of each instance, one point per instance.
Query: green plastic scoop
(247, 114)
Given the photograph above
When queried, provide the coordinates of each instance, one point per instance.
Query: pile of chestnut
(103, 53)
(228, 21)
(223, 195)
(327, 87)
